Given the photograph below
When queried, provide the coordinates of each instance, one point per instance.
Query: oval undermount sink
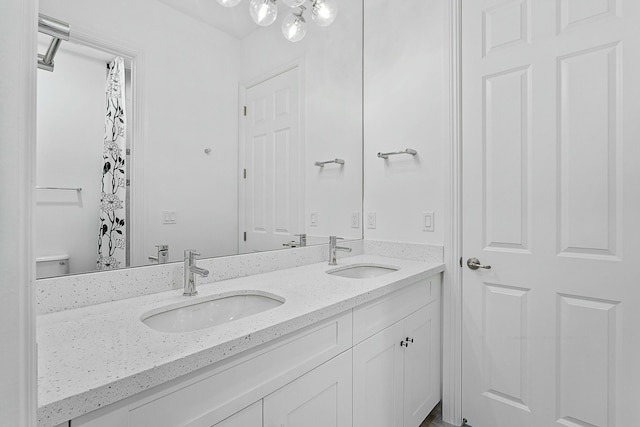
(213, 311)
(362, 271)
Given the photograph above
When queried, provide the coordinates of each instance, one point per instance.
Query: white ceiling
(234, 21)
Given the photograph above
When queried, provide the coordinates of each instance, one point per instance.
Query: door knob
(474, 264)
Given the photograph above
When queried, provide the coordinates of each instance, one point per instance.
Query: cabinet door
(422, 364)
(378, 379)
(320, 398)
(248, 417)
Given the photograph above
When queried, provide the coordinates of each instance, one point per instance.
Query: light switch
(427, 221)
(169, 217)
(314, 219)
(371, 220)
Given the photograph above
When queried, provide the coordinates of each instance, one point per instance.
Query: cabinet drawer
(218, 396)
(387, 310)
(223, 390)
(248, 417)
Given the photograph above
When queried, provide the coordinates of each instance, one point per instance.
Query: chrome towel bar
(338, 161)
(407, 151)
(59, 188)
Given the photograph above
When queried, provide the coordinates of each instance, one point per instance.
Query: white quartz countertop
(93, 356)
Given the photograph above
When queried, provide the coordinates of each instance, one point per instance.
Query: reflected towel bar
(338, 161)
(59, 188)
(407, 151)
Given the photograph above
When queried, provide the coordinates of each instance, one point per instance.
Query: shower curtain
(113, 233)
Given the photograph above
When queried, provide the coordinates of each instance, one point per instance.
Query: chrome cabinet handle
(474, 264)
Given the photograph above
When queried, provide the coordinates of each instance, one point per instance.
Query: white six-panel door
(551, 201)
(271, 151)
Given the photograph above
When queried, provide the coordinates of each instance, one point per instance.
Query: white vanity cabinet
(378, 372)
(213, 394)
(347, 371)
(248, 417)
(396, 371)
(320, 398)
(422, 367)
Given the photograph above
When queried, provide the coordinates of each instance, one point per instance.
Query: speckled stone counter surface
(81, 290)
(93, 356)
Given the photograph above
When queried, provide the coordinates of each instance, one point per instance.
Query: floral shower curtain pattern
(112, 233)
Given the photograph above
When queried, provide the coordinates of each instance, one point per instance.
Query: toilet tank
(51, 266)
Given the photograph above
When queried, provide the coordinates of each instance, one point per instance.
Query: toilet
(51, 266)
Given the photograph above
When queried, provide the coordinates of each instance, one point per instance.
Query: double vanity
(357, 344)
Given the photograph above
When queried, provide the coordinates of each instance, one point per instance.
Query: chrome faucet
(303, 239)
(333, 249)
(190, 270)
(301, 244)
(163, 255)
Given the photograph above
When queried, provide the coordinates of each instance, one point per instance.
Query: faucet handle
(191, 254)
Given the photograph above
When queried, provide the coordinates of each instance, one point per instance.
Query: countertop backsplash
(410, 251)
(69, 292)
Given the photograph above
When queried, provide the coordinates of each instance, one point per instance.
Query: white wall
(17, 145)
(188, 67)
(71, 108)
(333, 112)
(405, 90)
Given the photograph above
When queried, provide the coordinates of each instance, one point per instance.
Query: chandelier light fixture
(294, 26)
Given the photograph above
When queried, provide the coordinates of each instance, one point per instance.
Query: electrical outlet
(314, 219)
(169, 217)
(355, 220)
(371, 220)
(428, 221)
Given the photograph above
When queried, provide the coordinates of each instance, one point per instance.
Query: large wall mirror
(144, 139)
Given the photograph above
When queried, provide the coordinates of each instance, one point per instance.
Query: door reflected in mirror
(167, 126)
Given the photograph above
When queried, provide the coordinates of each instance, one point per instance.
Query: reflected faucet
(301, 244)
(303, 239)
(163, 255)
(190, 270)
(333, 249)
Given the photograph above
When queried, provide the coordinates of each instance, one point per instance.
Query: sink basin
(214, 311)
(362, 271)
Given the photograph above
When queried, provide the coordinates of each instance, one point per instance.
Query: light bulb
(294, 27)
(293, 3)
(263, 12)
(229, 3)
(324, 12)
